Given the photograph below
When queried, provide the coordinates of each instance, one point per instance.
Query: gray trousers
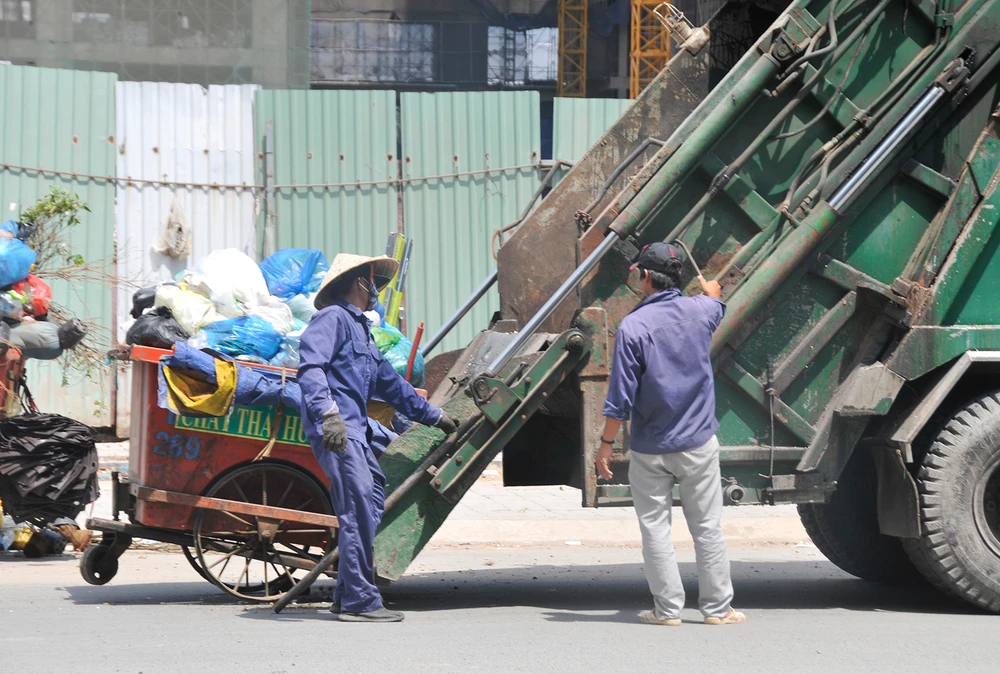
(696, 472)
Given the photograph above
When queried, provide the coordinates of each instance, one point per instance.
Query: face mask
(372, 293)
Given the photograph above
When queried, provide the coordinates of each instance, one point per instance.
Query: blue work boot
(382, 615)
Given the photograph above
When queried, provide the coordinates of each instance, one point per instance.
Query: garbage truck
(834, 164)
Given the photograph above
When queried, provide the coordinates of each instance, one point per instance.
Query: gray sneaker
(382, 615)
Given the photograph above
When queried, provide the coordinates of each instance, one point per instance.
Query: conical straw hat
(344, 264)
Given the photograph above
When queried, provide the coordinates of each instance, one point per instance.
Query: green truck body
(835, 167)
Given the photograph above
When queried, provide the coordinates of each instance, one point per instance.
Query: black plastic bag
(156, 328)
(143, 299)
(48, 467)
(71, 333)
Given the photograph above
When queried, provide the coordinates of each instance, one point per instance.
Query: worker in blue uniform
(340, 370)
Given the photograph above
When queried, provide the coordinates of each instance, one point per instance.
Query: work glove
(334, 434)
(447, 423)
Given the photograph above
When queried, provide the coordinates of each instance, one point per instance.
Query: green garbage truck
(834, 164)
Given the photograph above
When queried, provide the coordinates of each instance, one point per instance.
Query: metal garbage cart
(247, 520)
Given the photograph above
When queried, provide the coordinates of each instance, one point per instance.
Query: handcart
(241, 495)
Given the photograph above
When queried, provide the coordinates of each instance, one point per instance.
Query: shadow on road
(615, 593)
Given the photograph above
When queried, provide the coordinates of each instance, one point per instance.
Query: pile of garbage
(249, 312)
(25, 300)
(48, 473)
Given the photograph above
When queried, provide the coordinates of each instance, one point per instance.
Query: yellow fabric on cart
(187, 395)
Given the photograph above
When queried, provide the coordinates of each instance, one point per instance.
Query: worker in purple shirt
(340, 370)
(662, 380)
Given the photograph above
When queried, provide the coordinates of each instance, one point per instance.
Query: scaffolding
(650, 45)
(572, 76)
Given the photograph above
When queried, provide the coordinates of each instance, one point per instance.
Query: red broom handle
(413, 351)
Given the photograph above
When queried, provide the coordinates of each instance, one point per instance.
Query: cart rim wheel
(253, 559)
(192, 557)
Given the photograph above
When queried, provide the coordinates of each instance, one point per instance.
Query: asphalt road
(558, 609)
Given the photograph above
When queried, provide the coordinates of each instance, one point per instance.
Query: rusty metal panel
(578, 123)
(200, 142)
(335, 168)
(470, 166)
(63, 121)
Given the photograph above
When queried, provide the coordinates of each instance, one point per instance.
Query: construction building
(593, 48)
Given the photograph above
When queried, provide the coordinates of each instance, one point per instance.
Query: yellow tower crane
(649, 48)
(572, 48)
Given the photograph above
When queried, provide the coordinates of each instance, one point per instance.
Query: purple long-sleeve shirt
(341, 369)
(661, 376)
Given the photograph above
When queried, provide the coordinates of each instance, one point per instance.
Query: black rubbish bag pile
(48, 467)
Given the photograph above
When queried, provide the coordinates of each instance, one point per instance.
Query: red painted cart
(249, 517)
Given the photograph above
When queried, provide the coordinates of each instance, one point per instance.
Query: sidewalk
(493, 515)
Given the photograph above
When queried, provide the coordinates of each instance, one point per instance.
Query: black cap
(654, 257)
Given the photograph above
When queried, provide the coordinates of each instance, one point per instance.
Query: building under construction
(572, 48)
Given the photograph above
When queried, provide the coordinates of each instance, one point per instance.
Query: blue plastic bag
(243, 336)
(399, 355)
(16, 259)
(292, 271)
(316, 280)
(288, 354)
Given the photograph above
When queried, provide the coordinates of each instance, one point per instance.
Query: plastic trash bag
(38, 339)
(191, 310)
(394, 345)
(71, 333)
(398, 356)
(292, 271)
(143, 299)
(243, 336)
(386, 337)
(37, 295)
(175, 237)
(288, 354)
(277, 314)
(16, 259)
(156, 328)
(302, 307)
(18, 230)
(231, 280)
(12, 305)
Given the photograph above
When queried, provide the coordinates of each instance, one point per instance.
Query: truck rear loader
(834, 164)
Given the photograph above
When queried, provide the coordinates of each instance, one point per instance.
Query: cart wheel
(97, 566)
(192, 557)
(254, 558)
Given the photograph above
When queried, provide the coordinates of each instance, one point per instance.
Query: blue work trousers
(357, 492)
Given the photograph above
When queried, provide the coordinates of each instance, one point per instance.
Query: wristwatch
(607, 442)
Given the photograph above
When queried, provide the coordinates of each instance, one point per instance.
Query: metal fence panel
(578, 123)
(179, 133)
(63, 120)
(335, 168)
(470, 162)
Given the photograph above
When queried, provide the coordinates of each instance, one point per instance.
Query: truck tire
(846, 529)
(959, 483)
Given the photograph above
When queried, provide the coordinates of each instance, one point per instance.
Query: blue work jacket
(341, 369)
(661, 376)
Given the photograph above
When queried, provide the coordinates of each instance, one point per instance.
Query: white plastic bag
(175, 237)
(191, 311)
(230, 279)
(276, 313)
